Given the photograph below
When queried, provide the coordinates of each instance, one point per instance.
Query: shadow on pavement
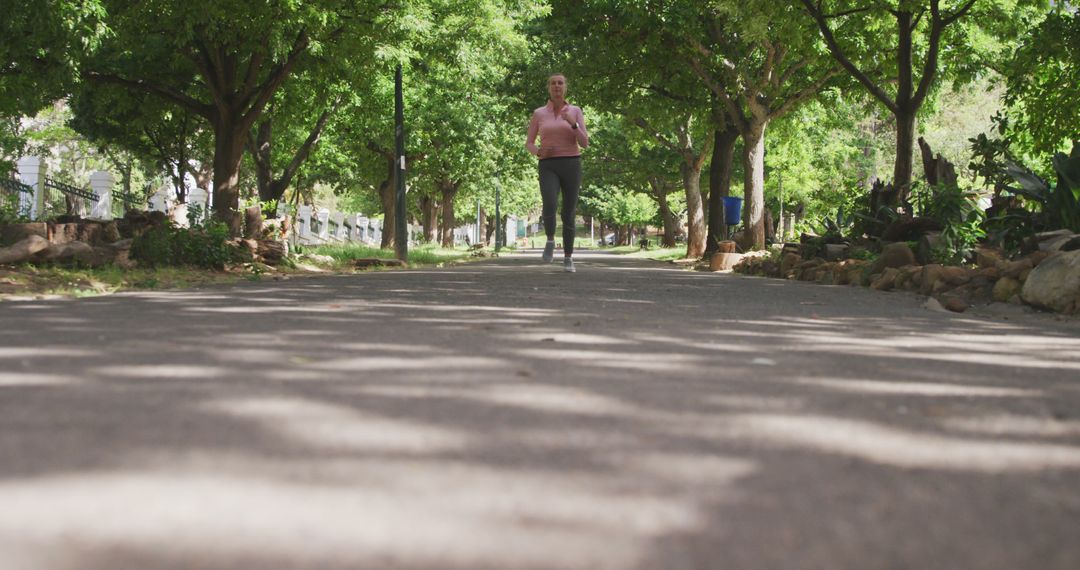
(507, 415)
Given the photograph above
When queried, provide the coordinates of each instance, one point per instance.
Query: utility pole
(401, 229)
(500, 227)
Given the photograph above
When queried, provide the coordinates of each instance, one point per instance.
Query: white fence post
(323, 216)
(32, 173)
(303, 221)
(101, 183)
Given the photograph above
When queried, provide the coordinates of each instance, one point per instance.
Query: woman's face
(557, 87)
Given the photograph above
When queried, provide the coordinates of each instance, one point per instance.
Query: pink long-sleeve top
(557, 137)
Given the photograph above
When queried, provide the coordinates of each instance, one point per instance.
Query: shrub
(200, 246)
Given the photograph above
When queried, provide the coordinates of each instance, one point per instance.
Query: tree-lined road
(503, 414)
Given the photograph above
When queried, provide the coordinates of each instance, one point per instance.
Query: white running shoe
(549, 252)
(568, 265)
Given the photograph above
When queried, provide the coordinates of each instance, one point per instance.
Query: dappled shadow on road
(501, 416)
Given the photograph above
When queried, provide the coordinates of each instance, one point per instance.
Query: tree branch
(734, 112)
(305, 149)
(846, 63)
(959, 13)
(163, 91)
(788, 105)
(641, 122)
(257, 99)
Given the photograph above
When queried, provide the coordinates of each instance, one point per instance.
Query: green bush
(200, 246)
(9, 210)
(961, 219)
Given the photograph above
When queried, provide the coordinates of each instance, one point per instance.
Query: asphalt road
(506, 415)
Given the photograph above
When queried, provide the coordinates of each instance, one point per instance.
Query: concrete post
(303, 221)
(32, 173)
(362, 224)
(323, 216)
(101, 183)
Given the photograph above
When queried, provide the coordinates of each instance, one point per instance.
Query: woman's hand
(568, 116)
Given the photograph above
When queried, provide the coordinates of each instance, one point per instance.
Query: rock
(855, 275)
(933, 304)
(365, 263)
(1071, 245)
(931, 276)
(1013, 269)
(122, 253)
(835, 251)
(316, 258)
(1055, 284)
(1038, 257)
(87, 232)
(1043, 236)
(955, 275)
(110, 232)
(910, 278)
(894, 255)
(71, 253)
(271, 252)
(14, 233)
(955, 304)
(1005, 289)
(1053, 241)
(987, 257)
(788, 263)
(24, 249)
(724, 261)
(887, 280)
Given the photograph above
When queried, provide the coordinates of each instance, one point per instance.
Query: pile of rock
(86, 244)
(1044, 278)
(95, 244)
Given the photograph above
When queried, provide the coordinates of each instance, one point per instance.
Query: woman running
(561, 127)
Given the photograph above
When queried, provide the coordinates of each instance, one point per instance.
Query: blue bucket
(732, 210)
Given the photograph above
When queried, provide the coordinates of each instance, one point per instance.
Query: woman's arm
(530, 138)
(581, 133)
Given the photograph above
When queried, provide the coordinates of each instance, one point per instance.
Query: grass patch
(660, 253)
(31, 281)
(421, 255)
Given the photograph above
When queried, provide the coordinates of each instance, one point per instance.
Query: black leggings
(564, 173)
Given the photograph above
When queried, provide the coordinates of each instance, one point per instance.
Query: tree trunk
(386, 198)
(260, 152)
(905, 153)
(387, 189)
(449, 190)
(429, 217)
(490, 223)
(723, 158)
(754, 185)
(228, 151)
(695, 215)
(671, 225)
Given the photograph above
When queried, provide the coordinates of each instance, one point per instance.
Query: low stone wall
(1049, 280)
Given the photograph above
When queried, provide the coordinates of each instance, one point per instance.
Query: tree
(760, 64)
(224, 61)
(1043, 79)
(924, 31)
(41, 45)
(151, 129)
